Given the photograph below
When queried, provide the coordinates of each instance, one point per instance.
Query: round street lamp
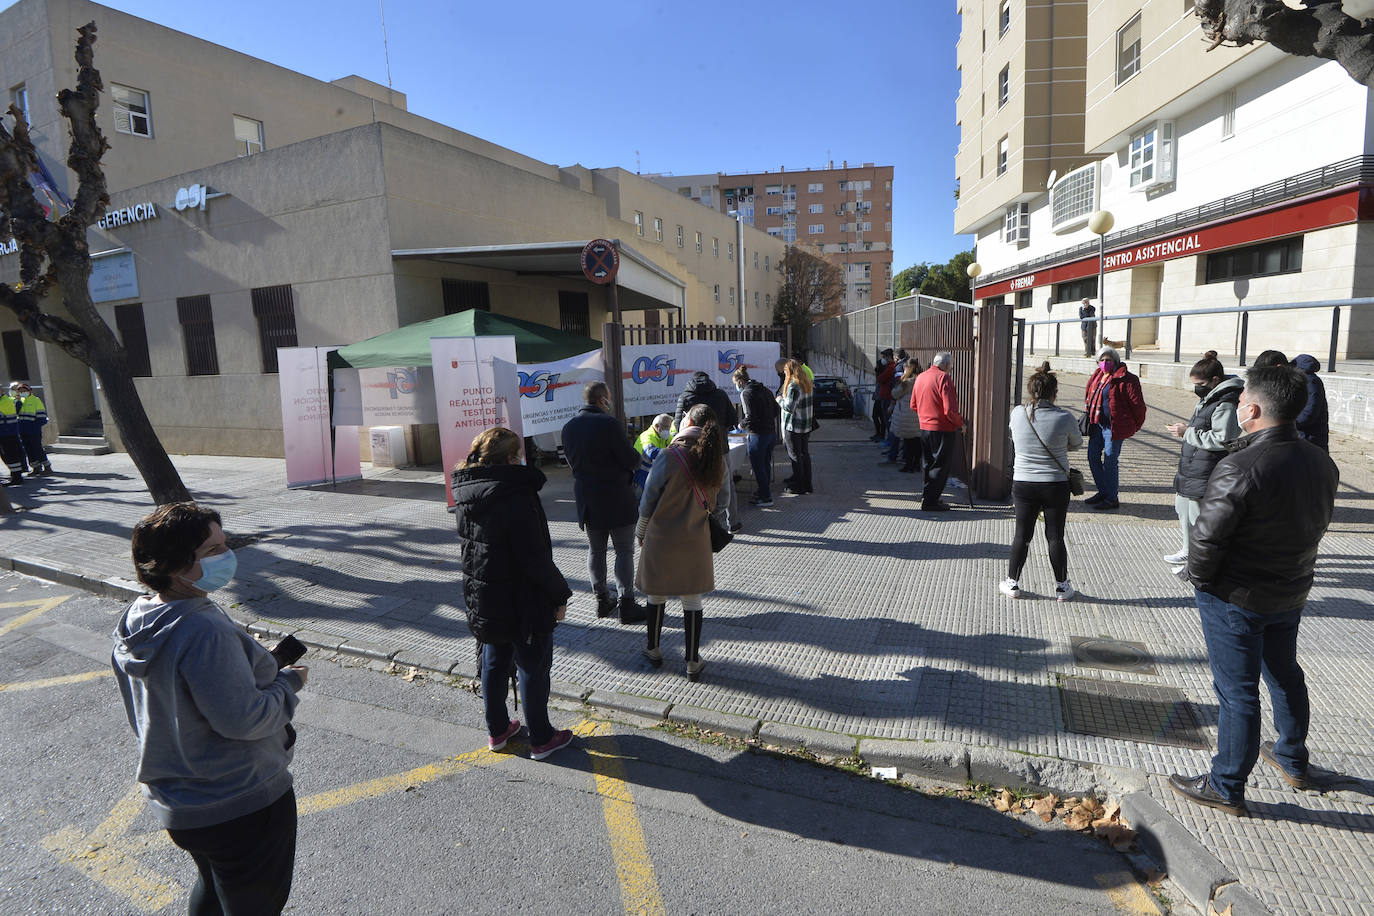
(974, 269)
(1101, 223)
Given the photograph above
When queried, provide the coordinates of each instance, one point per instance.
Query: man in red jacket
(882, 394)
(936, 403)
(1116, 410)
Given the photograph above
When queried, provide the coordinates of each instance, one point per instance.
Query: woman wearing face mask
(1213, 424)
(1116, 410)
(213, 717)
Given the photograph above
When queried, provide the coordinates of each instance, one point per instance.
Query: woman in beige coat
(674, 539)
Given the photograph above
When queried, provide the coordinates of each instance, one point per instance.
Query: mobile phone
(288, 651)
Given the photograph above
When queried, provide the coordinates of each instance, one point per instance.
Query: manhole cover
(1132, 712)
(1112, 654)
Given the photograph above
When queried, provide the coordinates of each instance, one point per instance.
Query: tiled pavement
(846, 611)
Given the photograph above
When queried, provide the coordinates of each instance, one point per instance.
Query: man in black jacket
(760, 421)
(603, 463)
(1250, 559)
(702, 390)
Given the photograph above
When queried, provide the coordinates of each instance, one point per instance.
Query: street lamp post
(1101, 223)
(739, 258)
(974, 270)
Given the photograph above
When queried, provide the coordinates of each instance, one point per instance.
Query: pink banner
(476, 387)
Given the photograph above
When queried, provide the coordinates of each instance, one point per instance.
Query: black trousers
(245, 864)
(937, 448)
(1031, 498)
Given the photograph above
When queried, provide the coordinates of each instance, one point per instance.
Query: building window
(1228, 114)
(1073, 198)
(815, 229)
(767, 302)
(1003, 17)
(1025, 299)
(732, 295)
(658, 229)
(1004, 86)
(1016, 224)
(1152, 156)
(1128, 50)
(715, 247)
(131, 113)
(816, 208)
(574, 312)
(19, 98)
(1002, 147)
(17, 358)
(756, 298)
(198, 332)
(775, 231)
(816, 187)
(133, 337)
(773, 189)
(461, 295)
(275, 309)
(680, 238)
(772, 211)
(639, 224)
(789, 234)
(698, 243)
(867, 227)
(729, 251)
(247, 136)
(765, 262)
(1076, 291)
(1266, 260)
(717, 292)
(756, 260)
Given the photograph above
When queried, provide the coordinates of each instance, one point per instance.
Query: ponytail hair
(1043, 385)
(706, 453)
(1208, 367)
(913, 368)
(497, 445)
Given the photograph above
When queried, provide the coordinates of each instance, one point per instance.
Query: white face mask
(1241, 422)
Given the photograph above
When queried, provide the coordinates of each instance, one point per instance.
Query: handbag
(1084, 424)
(720, 535)
(1075, 475)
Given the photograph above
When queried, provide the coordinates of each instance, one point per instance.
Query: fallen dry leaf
(411, 674)
(1214, 912)
(1091, 806)
(1077, 819)
(1112, 811)
(1044, 806)
(1120, 836)
(1027, 803)
(1003, 801)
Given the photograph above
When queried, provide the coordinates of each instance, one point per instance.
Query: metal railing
(1355, 170)
(1242, 312)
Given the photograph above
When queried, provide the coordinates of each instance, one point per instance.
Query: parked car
(832, 397)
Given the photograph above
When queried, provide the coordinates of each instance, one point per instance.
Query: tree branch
(88, 143)
(1320, 30)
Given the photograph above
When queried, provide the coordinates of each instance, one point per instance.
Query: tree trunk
(1322, 29)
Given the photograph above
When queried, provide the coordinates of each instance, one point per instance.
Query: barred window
(1265, 260)
(198, 331)
(461, 295)
(133, 336)
(574, 313)
(16, 360)
(275, 309)
(1073, 196)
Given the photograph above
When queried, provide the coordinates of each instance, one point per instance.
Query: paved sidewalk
(840, 617)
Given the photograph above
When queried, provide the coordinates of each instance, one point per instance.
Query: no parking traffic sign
(600, 261)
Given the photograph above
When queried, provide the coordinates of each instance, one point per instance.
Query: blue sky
(682, 88)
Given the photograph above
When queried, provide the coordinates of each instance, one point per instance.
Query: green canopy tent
(409, 345)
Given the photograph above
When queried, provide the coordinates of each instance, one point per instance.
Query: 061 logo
(539, 384)
(653, 369)
(401, 381)
(729, 360)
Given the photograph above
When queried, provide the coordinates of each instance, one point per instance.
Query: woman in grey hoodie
(212, 712)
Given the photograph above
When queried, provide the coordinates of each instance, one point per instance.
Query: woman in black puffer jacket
(514, 593)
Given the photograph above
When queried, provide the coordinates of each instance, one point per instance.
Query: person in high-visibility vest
(10, 449)
(33, 416)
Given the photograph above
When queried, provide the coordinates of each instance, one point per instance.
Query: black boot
(605, 605)
(691, 622)
(655, 635)
(630, 612)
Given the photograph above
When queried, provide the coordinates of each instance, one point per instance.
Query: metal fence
(854, 339)
(634, 334)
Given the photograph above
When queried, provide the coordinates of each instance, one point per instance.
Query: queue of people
(22, 418)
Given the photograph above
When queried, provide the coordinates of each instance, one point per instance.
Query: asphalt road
(403, 810)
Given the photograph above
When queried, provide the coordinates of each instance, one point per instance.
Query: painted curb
(1183, 857)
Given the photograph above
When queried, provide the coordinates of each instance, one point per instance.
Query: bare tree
(1321, 29)
(810, 289)
(55, 258)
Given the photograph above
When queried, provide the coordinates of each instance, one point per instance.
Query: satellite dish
(1049, 182)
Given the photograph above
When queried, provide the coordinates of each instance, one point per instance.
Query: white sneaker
(1064, 591)
(1174, 559)
(1009, 587)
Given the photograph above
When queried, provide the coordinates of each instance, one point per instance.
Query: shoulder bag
(720, 535)
(1075, 475)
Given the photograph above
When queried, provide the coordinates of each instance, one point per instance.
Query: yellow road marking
(1127, 894)
(54, 681)
(39, 608)
(100, 857)
(638, 885)
(396, 782)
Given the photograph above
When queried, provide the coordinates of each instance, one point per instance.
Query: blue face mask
(216, 571)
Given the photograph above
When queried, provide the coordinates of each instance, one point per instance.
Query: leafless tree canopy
(1322, 29)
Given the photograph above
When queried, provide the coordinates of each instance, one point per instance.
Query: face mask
(1202, 390)
(1242, 423)
(1105, 366)
(216, 571)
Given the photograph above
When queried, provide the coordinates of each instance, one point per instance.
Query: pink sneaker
(560, 740)
(499, 741)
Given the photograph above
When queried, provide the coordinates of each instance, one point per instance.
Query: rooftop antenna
(386, 51)
(636, 162)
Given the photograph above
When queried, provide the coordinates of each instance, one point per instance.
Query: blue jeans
(1242, 647)
(760, 449)
(1103, 453)
(534, 662)
(623, 538)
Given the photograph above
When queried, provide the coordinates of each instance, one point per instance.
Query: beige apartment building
(274, 209)
(1234, 178)
(842, 213)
